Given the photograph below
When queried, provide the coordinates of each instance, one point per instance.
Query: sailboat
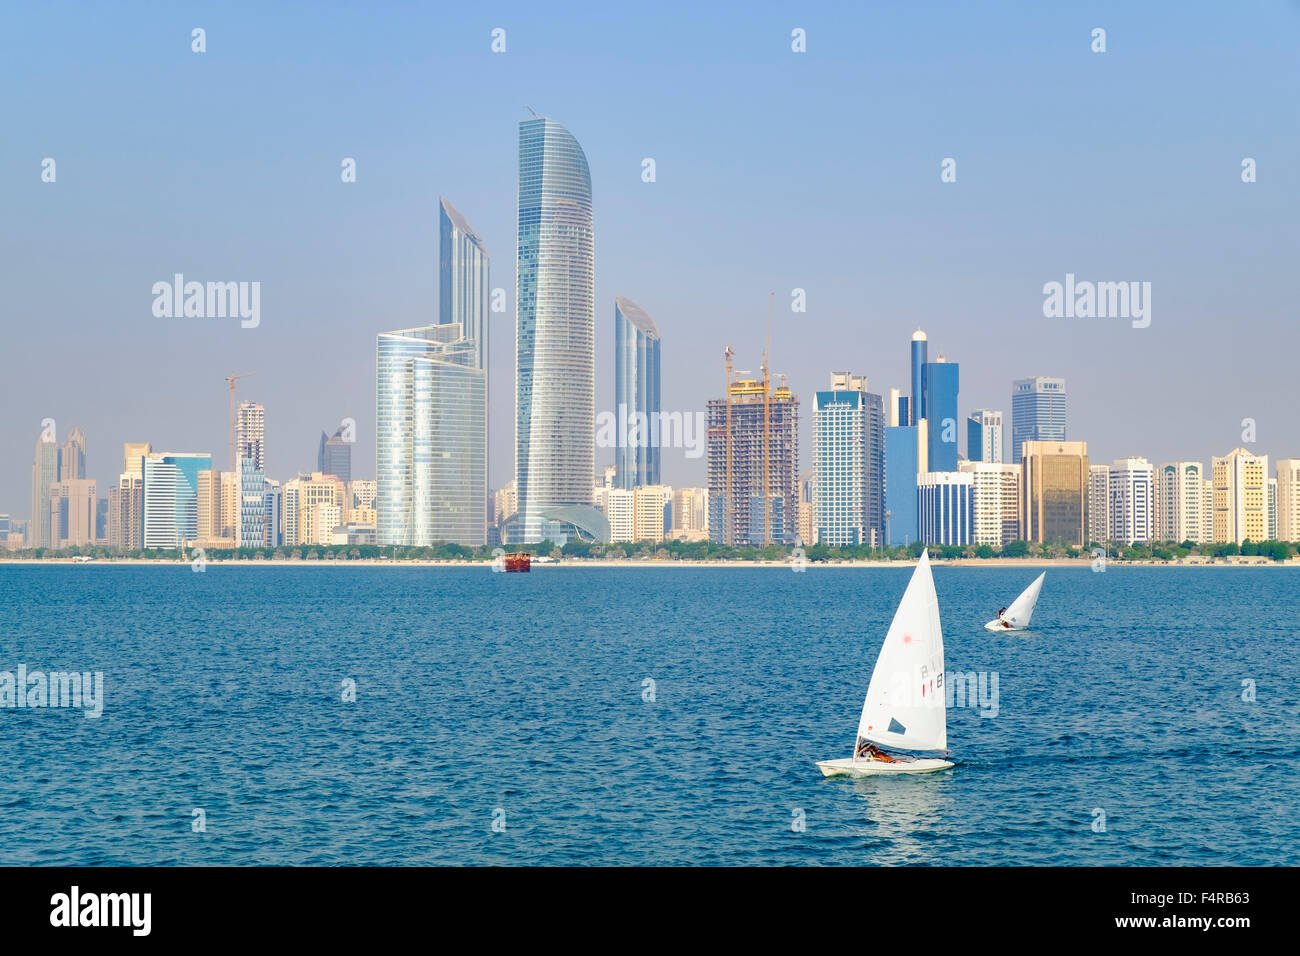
(905, 707)
(1016, 617)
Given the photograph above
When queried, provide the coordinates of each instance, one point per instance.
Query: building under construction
(753, 457)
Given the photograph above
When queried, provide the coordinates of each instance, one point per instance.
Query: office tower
(555, 355)
(72, 455)
(464, 285)
(1288, 499)
(335, 456)
(1037, 412)
(45, 472)
(101, 521)
(744, 472)
(170, 495)
(984, 436)
(996, 501)
(1272, 509)
(71, 507)
(1054, 484)
(250, 526)
(1207, 511)
(1132, 501)
(849, 461)
(312, 508)
(115, 517)
(273, 508)
(431, 439)
(250, 432)
(649, 503)
(939, 382)
(1240, 496)
(690, 510)
(126, 507)
(807, 527)
(618, 505)
(905, 455)
(506, 502)
(916, 406)
(229, 504)
(946, 505)
(1099, 504)
(1180, 502)
(208, 505)
(636, 395)
(361, 494)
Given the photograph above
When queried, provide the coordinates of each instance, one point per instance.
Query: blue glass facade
(901, 463)
(940, 381)
(916, 407)
(170, 498)
(636, 395)
(849, 457)
(946, 504)
(1037, 412)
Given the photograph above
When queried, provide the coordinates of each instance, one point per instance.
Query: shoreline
(1249, 562)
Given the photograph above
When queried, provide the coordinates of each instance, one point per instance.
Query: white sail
(1022, 608)
(905, 705)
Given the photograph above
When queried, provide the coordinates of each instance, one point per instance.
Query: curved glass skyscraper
(555, 459)
(636, 395)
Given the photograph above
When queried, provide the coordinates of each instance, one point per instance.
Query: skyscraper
(126, 516)
(996, 502)
(636, 395)
(171, 487)
(72, 455)
(251, 524)
(939, 381)
(45, 472)
(1240, 496)
(916, 405)
(1099, 504)
(431, 438)
(984, 436)
(1288, 499)
(1132, 501)
(905, 456)
(1037, 412)
(945, 501)
(849, 458)
(1054, 492)
(335, 456)
(555, 456)
(1180, 502)
(250, 432)
(71, 504)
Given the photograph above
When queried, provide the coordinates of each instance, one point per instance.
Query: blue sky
(775, 171)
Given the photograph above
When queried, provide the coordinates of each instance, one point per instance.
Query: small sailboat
(905, 707)
(1016, 617)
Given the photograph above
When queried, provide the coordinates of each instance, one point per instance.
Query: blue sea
(641, 716)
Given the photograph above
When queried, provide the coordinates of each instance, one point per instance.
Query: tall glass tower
(916, 407)
(940, 381)
(431, 438)
(555, 365)
(636, 395)
(1037, 412)
(463, 279)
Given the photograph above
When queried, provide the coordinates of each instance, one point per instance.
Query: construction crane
(726, 498)
(230, 380)
(767, 418)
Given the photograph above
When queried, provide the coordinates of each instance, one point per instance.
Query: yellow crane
(230, 380)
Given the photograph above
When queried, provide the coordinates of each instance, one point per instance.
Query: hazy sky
(775, 170)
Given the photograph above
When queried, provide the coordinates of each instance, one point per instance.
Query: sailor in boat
(869, 751)
(1000, 621)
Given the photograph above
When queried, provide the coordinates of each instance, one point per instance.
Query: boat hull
(848, 767)
(996, 625)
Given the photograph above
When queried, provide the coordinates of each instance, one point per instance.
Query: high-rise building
(940, 380)
(1240, 496)
(250, 434)
(334, 456)
(555, 354)
(208, 505)
(1132, 501)
(650, 505)
(1288, 499)
(126, 507)
(1180, 502)
(618, 505)
(170, 495)
(312, 508)
(1272, 509)
(72, 455)
(916, 405)
(250, 527)
(1054, 486)
(737, 459)
(690, 511)
(896, 412)
(905, 459)
(45, 472)
(984, 436)
(636, 395)
(1037, 412)
(464, 280)
(996, 501)
(807, 527)
(506, 502)
(849, 460)
(431, 438)
(71, 505)
(1099, 504)
(946, 504)
(273, 498)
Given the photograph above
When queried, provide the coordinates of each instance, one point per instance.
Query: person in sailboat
(869, 751)
(1000, 619)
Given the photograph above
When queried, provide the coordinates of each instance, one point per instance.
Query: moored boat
(519, 561)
